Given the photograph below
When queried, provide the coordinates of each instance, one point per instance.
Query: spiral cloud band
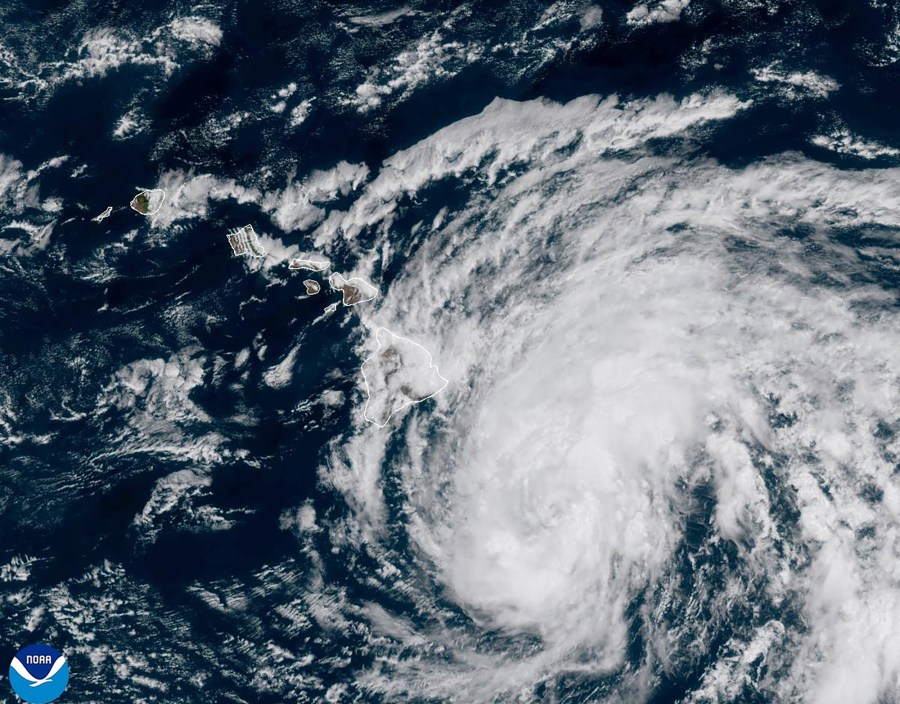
(662, 410)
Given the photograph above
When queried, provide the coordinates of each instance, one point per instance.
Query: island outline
(431, 366)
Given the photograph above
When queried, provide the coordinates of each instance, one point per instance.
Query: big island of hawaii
(399, 373)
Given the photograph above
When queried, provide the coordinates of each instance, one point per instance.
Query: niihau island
(309, 264)
(354, 290)
(148, 201)
(102, 216)
(400, 373)
(243, 240)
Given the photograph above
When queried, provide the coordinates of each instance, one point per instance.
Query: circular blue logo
(38, 674)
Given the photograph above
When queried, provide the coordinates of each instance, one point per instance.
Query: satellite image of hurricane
(452, 352)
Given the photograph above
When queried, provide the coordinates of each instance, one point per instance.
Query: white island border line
(102, 216)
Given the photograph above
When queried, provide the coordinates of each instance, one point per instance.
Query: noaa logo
(38, 674)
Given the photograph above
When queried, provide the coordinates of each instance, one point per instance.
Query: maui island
(400, 373)
(354, 290)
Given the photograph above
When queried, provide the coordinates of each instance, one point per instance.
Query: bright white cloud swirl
(631, 337)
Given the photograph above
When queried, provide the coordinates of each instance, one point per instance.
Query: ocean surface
(653, 248)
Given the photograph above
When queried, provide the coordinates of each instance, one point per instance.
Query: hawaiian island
(400, 373)
(243, 240)
(102, 216)
(148, 201)
(354, 290)
(309, 265)
(312, 287)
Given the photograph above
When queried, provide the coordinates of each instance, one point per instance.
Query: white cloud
(664, 11)
(620, 328)
(507, 134)
(382, 19)
(105, 49)
(129, 124)
(196, 30)
(163, 420)
(299, 205)
(796, 83)
(23, 209)
(279, 375)
(842, 141)
(300, 112)
(188, 196)
(591, 17)
(432, 57)
(10, 178)
(161, 417)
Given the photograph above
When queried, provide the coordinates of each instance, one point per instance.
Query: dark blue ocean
(155, 471)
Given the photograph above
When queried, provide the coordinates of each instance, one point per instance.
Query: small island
(309, 265)
(243, 240)
(354, 290)
(312, 287)
(400, 373)
(148, 201)
(102, 216)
